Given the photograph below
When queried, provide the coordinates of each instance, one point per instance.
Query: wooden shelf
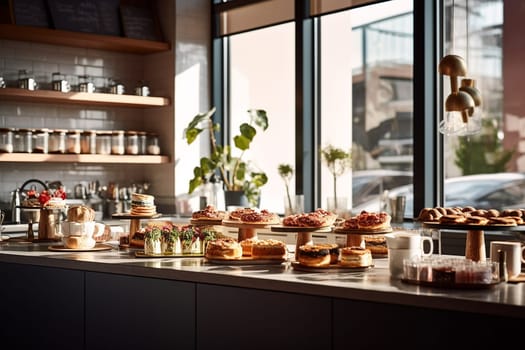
(83, 40)
(82, 158)
(50, 96)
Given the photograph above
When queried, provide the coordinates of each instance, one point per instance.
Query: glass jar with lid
(142, 141)
(103, 142)
(88, 142)
(117, 142)
(73, 141)
(23, 141)
(152, 147)
(40, 140)
(57, 141)
(6, 140)
(132, 142)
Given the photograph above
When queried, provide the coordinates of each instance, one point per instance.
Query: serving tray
(141, 254)
(282, 228)
(437, 225)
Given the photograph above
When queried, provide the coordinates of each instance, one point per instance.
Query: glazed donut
(452, 219)
(511, 212)
(314, 255)
(502, 220)
(468, 209)
(491, 213)
(476, 220)
(429, 214)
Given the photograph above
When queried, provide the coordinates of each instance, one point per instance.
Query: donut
(269, 249)
(315, 255)
(511, 212)
(476, 220)
(452, 219)
(355, 257)
(429, 214)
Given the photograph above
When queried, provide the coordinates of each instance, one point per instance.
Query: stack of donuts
(472, 216)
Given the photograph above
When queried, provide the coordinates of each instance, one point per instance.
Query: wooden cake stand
(475, 240)
(304, 234)
(134, 221)
(356, 237)
(245, 230)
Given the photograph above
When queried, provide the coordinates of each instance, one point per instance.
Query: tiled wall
(42, 60)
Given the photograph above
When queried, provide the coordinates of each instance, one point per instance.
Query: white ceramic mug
(514, 252)
(405, 245)
(408, 240)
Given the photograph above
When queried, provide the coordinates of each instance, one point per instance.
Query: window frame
(428, 155)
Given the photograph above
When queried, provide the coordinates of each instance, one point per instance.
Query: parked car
(370, 184)
(482, 191)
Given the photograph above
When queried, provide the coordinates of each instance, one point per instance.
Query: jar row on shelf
(60, 141)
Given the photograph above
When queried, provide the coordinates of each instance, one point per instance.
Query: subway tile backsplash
(42, 61)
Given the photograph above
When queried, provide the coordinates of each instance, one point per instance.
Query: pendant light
(460, 104)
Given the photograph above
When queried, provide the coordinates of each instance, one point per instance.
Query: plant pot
(236, 199)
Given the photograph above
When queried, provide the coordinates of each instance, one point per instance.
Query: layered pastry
(269, 249)
(355, 257)
(314, 255)
(143, 204)
(224, 249)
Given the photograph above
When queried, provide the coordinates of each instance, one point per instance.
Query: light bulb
(452, 124)
(474, 123)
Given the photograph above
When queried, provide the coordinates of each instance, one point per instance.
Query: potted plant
(236, 174)
(286, 173)
(338, 162)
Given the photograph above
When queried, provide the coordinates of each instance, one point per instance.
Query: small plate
(96, 248)
(330, 268)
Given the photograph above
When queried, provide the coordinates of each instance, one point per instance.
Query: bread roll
(80, 213)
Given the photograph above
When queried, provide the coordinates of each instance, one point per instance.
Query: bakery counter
(198, 305)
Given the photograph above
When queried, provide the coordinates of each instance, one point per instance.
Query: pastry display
(209, 213)
(235, 215)
(317, 218)
(262, 217)
(366, 221)
(355, 257)
(268, 249)
(142, 205)
(472, 216)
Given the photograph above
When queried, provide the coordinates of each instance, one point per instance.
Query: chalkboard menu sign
(139, 22)
(109, 17)
(75, 15)
(31, 13)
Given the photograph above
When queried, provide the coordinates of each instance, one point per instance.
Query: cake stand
(475, 240)
(134, 221)
(245, 230)
(356, 237)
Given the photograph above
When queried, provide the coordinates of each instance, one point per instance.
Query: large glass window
(262, 75)
(486, 33)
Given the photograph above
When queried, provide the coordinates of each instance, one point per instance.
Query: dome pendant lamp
(460, 104)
